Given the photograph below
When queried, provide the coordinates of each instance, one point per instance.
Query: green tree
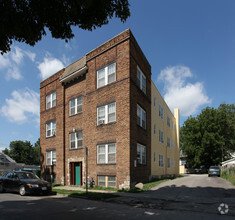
(26, 20)
(209, 138)
(24, 152)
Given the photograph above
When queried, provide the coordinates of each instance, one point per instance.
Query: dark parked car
(214, 171)
(23, 182)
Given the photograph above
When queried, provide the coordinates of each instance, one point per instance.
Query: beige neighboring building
(164, 137)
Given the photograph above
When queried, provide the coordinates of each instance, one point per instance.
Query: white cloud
(13, 72)
(30, 55)
(4, 62)
(23, 106)
(17, 55)
(10, 62)
(2, 148)
(180, 94)
(49, 66)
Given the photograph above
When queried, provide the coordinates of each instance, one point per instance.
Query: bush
(224, 174)
(229, 175)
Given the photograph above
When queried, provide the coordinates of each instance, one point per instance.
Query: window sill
(79, 148)
(47, 109)
(106, 163)
(75, 114)
(51, 136)
(110, 123)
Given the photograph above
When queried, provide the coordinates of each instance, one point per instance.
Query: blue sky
(189, 44)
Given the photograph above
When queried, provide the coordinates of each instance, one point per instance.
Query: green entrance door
(77, 175)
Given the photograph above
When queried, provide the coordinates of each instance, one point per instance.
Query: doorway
(76, 173)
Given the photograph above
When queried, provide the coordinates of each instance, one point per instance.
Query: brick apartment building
(102, 103)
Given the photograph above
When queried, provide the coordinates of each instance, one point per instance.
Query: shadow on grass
(86, 195)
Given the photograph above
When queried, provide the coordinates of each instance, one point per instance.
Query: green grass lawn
(230, 178)
(82, 194)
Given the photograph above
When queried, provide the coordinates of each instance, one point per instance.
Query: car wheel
(1, 188)
(22, 191)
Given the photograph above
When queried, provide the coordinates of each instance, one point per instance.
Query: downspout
(64, 134)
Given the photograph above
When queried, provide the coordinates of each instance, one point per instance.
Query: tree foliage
(209, 138)
(26, 20)
(24, 152)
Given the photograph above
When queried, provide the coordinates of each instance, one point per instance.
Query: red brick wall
(140, 173)
(123, 50)
(56, 142)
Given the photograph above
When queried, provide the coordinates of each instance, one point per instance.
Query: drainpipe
(64, 134)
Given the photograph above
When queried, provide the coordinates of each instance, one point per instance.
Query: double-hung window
(76, 140)
(161, 161)
(168, 162)
(106, 75)
(106, 113)
(141, 117)
(168, 142)
(141, 80)
(155, 102)
(106, 153)
(161, 112)
(75, 106)
(141, 154)
(155, 129)
(51, 157)
(51, 129)
(161, 136)
(168, 122)
(51, 100)
(155, 157)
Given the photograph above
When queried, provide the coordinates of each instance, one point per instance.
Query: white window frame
(51, 157)
(106, 182)
(106, 153)
(105, 118)
(106, 75)
(76, 100)
(161, 112)
(141, 80)
(141, 154)
(161, 161)
(51, 126)
(161, 136)
(51, 100)
(141, 117)
(76, 139)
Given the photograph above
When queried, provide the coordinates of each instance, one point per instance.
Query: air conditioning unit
(100, 122)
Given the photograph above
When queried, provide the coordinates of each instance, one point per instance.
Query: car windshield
(214, 168)
(27, 176)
